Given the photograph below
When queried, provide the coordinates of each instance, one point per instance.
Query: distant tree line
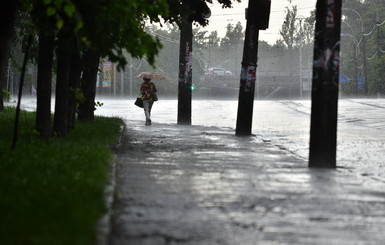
(211, 50)
(296, 33)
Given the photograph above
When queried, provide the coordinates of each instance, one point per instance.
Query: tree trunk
(7, 20)
(21, 84)
(61, 126)
(257, 15)
(323, 126)
(185, 73)
(88, 85)
(248, 74)
(3, 82)
(74, 84)
(44, 85)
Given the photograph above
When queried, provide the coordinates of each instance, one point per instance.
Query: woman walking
(148, 91)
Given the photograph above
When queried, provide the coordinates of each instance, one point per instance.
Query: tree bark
(61, 125)
(88, 85)
(248, 74)
(185, 73)
(3, 82)
(323, 126)
(44, 84)
(258, 13)
(74, 84)
(7, 20)
(21, 84)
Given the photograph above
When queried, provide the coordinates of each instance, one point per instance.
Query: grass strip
(52, 192)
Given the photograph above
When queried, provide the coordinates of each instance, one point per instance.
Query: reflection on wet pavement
(202, 185)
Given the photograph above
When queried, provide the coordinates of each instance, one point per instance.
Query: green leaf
(51, 11)
(58, 3)
(69, 9)
(46, 2)
(59, 24)
(79, 26)
(86, 41)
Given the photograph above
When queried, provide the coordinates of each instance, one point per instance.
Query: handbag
(139, 102)
(154, 97)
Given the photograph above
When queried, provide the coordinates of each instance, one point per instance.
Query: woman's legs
(147, 106)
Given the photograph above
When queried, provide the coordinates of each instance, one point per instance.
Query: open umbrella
(151, 75)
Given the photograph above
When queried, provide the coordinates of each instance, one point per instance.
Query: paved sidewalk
(195, 185)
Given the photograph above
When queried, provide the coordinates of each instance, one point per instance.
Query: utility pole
(210, 44)
(323, 130)
(185, 73)
(356, 46)
(378, 35)
(8, 76)
(257, 15)
(378, 82)
(300, 59)
(130, 76)
(355, 68)
(114, 80)
(363, 49)
(365, 64)
(122, 83)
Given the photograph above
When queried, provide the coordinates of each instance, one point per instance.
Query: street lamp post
(362, 25)
(355, 60)
(130, 78)
(300, 59)
(354, 53)
(363, 39)
(122, 83)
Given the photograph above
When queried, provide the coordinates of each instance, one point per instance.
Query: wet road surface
(203, 185)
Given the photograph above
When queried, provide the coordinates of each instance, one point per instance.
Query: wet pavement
(203, 185)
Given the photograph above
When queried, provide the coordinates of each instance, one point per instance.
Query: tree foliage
(194, 9)
(106, 27)
(7, 18)
(307, 31)
(113, 26)
(289, 29)
(234, 35)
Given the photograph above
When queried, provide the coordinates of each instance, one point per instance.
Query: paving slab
(203, 185)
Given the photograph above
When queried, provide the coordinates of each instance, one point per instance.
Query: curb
(103, 228)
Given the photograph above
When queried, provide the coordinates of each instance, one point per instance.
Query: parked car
(216, 71)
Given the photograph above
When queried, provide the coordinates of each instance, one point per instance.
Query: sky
(220, 18)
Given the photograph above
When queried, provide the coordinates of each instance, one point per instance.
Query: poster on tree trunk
(107, 74)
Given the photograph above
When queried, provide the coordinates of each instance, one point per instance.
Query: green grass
(52, 192)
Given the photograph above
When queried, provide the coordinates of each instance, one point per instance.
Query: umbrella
(151, 75)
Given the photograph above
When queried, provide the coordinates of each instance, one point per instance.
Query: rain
(283, 83)
(187, 176)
